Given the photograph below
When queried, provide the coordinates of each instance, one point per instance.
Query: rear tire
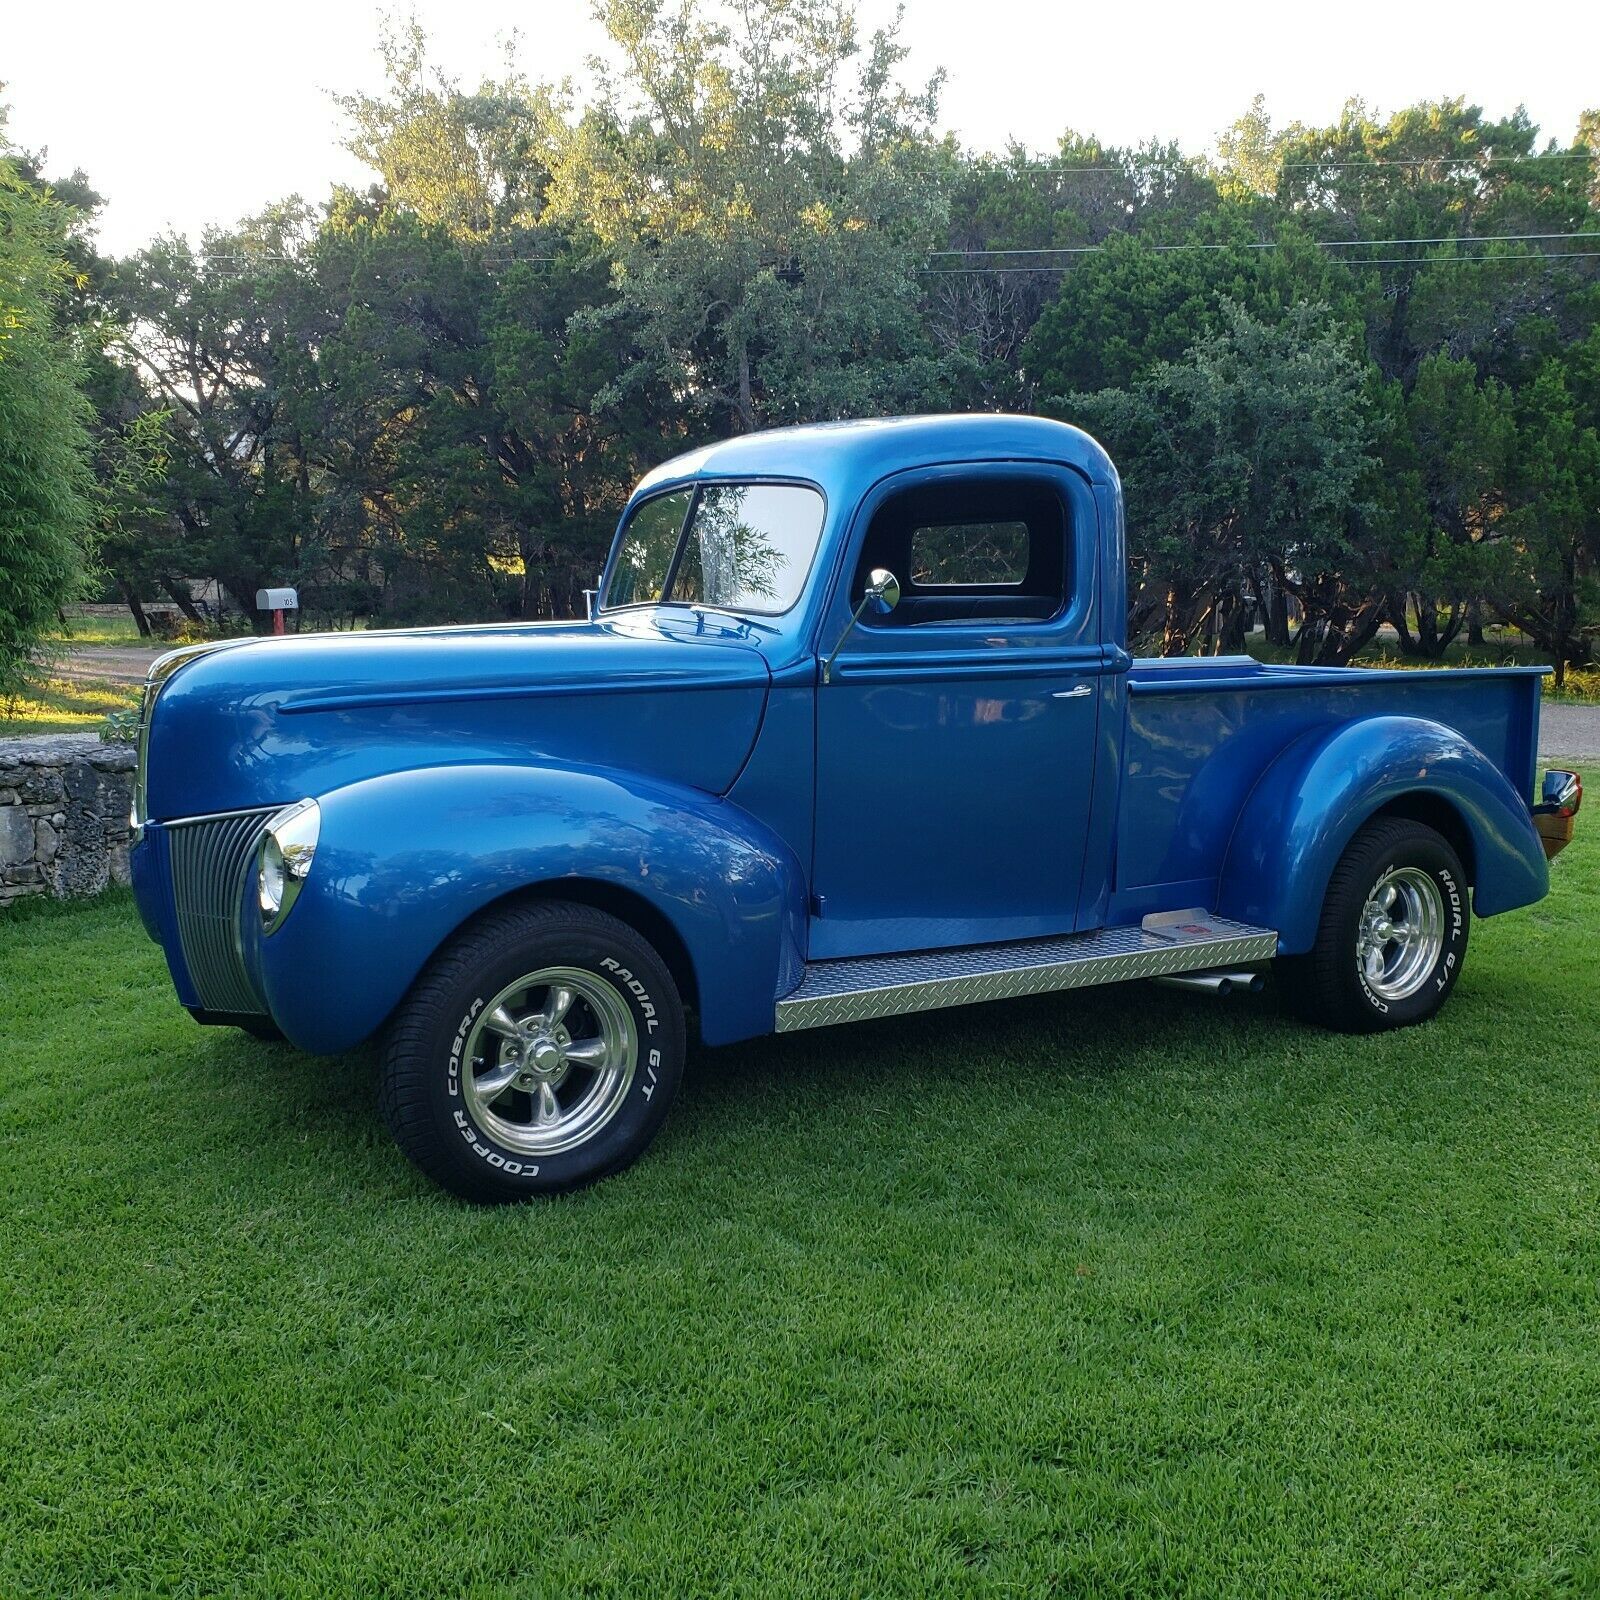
(539, 1052)
(1393, 934)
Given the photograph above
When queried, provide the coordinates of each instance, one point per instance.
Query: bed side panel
(1195, 751)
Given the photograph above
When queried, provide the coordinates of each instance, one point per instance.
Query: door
(956, 734)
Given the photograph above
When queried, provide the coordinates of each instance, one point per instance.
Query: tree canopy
(1351, 373)
(45, 485)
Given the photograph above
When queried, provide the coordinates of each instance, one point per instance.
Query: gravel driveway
(1569, 730)
(108, 663)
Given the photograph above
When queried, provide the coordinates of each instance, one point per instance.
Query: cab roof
(846, 458)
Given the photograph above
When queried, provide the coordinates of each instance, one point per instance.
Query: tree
(1041, 213)
(768, 192)
(1138, 303)
(224, 338)
(1461, 434)
(1244, 465)
(470, 163)
(1553, 588)
(44, 441)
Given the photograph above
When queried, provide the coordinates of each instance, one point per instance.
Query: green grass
(1118, 1293)
(94, 627)
(65, 705)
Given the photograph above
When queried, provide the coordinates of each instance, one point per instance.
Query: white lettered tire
(538, 1052)
(1393, 934)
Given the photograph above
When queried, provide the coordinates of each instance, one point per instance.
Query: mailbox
(277, 601)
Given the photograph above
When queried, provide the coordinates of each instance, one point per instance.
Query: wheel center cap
(544, 1056)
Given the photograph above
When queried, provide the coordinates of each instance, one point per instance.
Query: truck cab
(852, 731)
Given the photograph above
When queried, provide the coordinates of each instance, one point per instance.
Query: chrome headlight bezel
(283, 860)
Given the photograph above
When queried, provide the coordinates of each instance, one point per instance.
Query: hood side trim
(355, 700)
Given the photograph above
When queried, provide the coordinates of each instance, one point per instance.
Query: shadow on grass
(1083, 1036)
(320, 1110)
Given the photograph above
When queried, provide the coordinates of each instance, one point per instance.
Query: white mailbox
(277, 600)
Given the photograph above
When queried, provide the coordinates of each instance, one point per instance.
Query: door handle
(1076, 693)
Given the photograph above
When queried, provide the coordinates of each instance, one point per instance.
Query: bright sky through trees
(186, 112)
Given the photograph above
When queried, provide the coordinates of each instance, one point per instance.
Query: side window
(985, 550)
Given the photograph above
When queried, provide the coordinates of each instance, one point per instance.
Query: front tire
(1393, 935)
(539, 1052)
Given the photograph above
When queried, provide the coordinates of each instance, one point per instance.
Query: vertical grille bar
(210, 857)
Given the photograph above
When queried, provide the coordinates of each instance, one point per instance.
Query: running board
(889, 986)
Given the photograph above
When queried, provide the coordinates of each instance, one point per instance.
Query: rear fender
(1326, 784)
(405, 859)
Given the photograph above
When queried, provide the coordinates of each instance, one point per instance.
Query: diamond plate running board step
(889, 986)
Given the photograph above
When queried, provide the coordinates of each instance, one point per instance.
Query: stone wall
(64, 803)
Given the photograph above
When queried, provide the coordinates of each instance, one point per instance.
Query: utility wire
(1270, 244)
(1477, 163)
(1539, 258)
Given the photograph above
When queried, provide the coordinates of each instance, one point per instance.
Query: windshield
(733, 546)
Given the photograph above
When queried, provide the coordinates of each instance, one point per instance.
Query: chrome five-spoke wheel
(1401, 932)
(550, 1060)
(1393, 933)
(538, 1051)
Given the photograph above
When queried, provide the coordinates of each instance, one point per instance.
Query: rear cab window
(987, 550)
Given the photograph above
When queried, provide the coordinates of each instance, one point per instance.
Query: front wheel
(1393, 933)
(538, 1052)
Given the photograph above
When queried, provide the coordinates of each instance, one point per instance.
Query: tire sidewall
(1432, 855)
(637, 975)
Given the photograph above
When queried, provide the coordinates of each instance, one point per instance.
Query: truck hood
(268, 721)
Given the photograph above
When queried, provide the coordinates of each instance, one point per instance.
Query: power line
(1271, 244)
(1477, 163)
(1540, 257)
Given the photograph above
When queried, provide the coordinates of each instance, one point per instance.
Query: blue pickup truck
(851, 731)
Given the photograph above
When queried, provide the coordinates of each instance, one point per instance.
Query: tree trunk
(1174, 638)
(1278, 616)
(1475, 639)
(1230, 641)
(180, 598)
(131, 600)
(1397, 615)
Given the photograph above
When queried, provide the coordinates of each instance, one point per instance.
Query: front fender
(1326, 784)
(403, 860)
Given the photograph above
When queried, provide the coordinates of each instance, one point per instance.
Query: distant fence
(64, 803)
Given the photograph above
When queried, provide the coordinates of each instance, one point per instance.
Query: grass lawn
(1120, 1293)
(65, 705)
(100, 626)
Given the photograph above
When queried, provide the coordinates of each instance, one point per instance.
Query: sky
(186, 113)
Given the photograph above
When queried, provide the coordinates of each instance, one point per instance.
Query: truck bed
(1200, 732)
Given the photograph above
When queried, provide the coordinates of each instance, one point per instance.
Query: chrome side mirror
(882, 595)
(883, 592)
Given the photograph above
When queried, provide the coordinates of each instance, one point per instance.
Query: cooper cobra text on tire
(537, 1053)
(1393, 934)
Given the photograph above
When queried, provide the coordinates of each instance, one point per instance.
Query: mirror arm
(849, 627)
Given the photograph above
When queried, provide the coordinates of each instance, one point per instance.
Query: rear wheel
(1393, 934)
(538, 1053)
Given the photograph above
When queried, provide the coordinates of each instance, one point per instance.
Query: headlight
(285, 859)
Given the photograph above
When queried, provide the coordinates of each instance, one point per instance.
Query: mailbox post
(277, 601)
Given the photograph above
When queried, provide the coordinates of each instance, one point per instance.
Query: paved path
(1570, 730)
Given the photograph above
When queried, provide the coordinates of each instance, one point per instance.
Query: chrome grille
(210, 858)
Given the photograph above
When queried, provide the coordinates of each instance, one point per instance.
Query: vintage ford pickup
(851, 732)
